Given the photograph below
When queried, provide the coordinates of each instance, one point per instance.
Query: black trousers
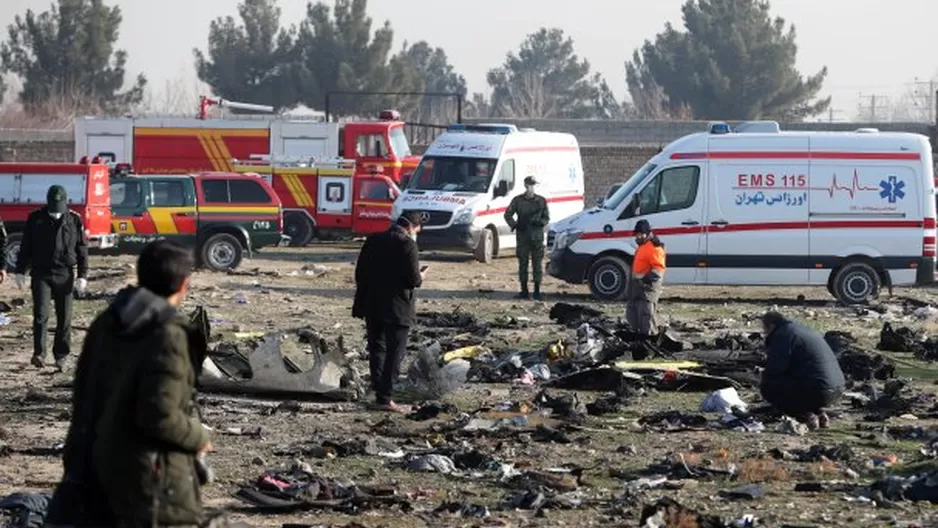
(387, 345)
(797, 398)
(56, 290)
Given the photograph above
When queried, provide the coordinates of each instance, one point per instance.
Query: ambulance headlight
(565, 239)
(463, 217)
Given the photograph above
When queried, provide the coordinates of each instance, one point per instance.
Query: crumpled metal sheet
(270, 376)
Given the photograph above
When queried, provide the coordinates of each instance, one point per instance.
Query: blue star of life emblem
(892, 189)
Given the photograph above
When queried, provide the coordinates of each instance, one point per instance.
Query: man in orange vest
(648, 267)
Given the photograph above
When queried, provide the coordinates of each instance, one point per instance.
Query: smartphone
(423, 268)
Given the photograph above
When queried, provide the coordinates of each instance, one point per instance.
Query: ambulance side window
(507, 174)
(671, 190)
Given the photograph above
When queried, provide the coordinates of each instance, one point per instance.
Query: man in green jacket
(149, 441)
(532, 218)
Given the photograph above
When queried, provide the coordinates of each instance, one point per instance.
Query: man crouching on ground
(802, 375)
(386, 275)
(148, 438)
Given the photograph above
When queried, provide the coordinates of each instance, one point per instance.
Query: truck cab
(221, 215)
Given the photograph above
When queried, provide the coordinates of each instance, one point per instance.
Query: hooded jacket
(147, 434)
(797, 355)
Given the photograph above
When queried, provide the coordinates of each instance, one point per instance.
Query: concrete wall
(659, 133)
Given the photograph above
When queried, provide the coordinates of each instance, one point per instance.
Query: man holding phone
(386, 275)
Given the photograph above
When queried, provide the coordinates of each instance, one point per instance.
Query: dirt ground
(35, 408)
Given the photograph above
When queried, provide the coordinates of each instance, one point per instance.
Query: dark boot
(524, 292)
(537, 291)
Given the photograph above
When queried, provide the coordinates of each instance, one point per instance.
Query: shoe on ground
(60, 364)
(538, 296)
(523, 295)
(812, 421)
(391, 407)
(823, 420)
(37, 362)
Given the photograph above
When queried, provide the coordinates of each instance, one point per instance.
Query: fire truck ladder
(267, 161)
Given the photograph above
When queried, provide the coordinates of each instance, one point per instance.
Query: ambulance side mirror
(501, 189)
(633, 207)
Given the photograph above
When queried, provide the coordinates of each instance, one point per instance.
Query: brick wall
(57, 150)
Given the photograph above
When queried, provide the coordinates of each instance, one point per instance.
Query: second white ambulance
(470, 173)
(757, 206)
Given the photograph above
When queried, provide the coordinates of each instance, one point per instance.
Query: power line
(873, 108)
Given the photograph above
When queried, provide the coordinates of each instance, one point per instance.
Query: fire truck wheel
(221, 252)
(485, 249)
(609, 278)
(13, 249)
(299, 228)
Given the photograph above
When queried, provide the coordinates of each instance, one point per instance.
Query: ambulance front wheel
(485, 249)
(609, 278)
(856, 283)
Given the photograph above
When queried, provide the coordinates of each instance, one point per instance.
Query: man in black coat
(802, 375)
(55, 252)
(386, 275)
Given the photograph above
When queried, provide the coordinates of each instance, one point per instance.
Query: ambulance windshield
(437, 173)
(614, 201)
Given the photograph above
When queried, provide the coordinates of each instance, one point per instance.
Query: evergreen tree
(732, 61)
(66, 56)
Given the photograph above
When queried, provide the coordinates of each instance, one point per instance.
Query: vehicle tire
(856, 283)
(609, 278)
(299, 228)
(13, 249)
(485, 249)
(221, 252)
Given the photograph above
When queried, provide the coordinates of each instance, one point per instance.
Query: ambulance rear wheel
(13, 250)
(609, 278)
(221, 252)
(856, 283)
(299, 228)
(485, 249)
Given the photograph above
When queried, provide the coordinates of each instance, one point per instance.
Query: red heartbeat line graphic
(852, 190)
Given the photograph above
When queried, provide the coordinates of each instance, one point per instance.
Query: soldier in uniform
(648, 267)
(53, 247)
(532, 217)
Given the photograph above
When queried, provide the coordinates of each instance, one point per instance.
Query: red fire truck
(325, 197)
(195, 145)
(23, 188)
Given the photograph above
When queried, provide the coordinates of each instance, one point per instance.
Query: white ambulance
(470, 173)
(757, 206)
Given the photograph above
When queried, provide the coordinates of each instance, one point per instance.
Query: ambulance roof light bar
(718, 128)
(487, 128)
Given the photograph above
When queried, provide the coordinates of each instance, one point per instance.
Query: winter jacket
(532, 217)
(799, 355)
(148, 433)
(386, 275)
(53, 246)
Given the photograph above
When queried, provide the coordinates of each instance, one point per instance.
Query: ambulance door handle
(719, 223)
(690, 222)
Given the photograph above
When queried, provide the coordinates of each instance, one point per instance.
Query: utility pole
(878, 105)
(830, 114)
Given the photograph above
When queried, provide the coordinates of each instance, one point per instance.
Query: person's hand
(648, 279)
(81, 285)
(3, 276)
(207, 448)
(20, 280)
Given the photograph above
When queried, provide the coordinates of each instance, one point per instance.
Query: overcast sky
(871, 47)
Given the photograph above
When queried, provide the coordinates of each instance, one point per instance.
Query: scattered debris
(668, 513)
(723, 401)
(432, 463)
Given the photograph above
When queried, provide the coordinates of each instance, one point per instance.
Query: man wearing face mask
(648, 268)
(532, 218)
(386, 275)
(53, 249)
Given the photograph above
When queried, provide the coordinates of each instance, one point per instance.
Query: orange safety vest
(648, 256)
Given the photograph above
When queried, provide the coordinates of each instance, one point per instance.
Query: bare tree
(917, 104)
(525, 97)
(177, 97)
(57, 111)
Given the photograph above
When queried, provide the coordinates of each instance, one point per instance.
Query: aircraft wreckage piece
(270, 377)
